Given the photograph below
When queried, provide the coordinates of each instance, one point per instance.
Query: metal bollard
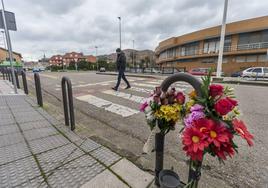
(3, 72)
(38, 89)
(159, 138)
(8, 74)
(68, 102)
(17, 79)
(24, 81)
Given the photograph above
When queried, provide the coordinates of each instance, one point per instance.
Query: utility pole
(96, 47)
(133, 54)
(219, 66)
(9, 47)
(119, 18)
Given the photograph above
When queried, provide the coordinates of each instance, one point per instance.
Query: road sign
(10, 20)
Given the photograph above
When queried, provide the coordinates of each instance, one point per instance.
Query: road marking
(93, 84)
(109, 106)
(49, 76)
(145, 85)
(142, 90)
(127, 96)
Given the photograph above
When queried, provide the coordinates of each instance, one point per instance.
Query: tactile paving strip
(89, 145)
(47, 116)
(7, 121)
(13, 152)
(10, 139)
(34, 183)
(75, 173)
(28, 117)
(17, 172)
(40, 133)
(8, 129)
(47, 143)
(34, 125)
(54, 158)
(105, 155)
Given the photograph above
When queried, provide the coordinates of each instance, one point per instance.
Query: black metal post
(194, 174)
(8, 74)
(68, 102)
(17, 79)
(24, 81)
(3, 72)
(159, 155)
(38, 89)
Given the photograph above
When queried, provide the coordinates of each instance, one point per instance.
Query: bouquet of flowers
(210, 121)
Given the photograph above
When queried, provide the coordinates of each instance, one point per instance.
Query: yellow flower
(192, 94)
(169, 112)
(189, 104)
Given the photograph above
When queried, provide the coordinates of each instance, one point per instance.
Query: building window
(252, 58)
(241, 59)
(213, 45)
(262, 58)
(209, 60)
(190, 49)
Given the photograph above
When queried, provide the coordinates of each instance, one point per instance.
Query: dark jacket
(121, 62)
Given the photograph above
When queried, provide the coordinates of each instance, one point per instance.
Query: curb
(243, 83)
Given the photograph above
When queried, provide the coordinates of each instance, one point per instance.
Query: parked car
(102, 69)
(36, 70)
(236, 74)
(255, 72)
(199, 71)
(156, 71)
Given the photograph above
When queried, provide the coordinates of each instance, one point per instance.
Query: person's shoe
(128, 87)
(114, 88)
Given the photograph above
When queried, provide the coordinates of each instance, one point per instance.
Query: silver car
(255, 72)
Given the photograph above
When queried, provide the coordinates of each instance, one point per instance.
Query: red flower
(180, 98)
(194, 142)
(215, 90)
(194, 155)
(224, 106)
(218, 134)
(224, 150)
(242, 130)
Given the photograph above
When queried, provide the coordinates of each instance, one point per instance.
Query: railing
(67, 97)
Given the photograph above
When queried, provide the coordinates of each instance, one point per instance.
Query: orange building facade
(245, 45)
(67, 58)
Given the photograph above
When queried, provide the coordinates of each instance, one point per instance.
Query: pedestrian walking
(121, 67)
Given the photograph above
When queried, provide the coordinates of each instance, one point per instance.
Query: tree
(71, 65)
(83, 65)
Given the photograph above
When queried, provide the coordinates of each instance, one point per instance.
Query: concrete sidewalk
(38, 151)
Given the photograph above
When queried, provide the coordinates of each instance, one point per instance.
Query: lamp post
(96, 47)
(9, 47)
(219, 66)
(133, 55)
(119, 18)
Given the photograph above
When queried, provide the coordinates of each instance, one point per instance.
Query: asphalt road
(113, 118)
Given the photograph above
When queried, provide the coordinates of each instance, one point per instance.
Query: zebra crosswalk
(124, 103)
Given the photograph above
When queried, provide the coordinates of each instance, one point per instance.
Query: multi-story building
(56, 60)
(90, 58)
(4, 56)
(73, 57)
(245, 45)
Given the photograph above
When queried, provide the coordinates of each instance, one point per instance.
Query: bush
(55, 68)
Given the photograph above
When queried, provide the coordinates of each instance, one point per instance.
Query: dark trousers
(121, 74)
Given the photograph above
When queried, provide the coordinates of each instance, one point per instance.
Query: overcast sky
(58, 26)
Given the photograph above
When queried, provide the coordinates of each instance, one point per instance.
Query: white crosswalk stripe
(127, 96)
(108, 105)
(142, 90)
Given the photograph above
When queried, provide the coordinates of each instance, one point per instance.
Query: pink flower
(180, 98)
(143, 106)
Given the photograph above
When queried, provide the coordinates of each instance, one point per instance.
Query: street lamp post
(96, 47)
(133, 55)
(219, 66)
(9, 47)
(119, 18)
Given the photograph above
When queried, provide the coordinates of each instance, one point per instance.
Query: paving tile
(18, 172)
(75, 173)
(9, 139)
(105, 155)
(106, 179)
(89, 145)
(69, 133)
(40, 133)
(134, 176)
(28, 117)
(9, 129)
(47, 143)
(54, 158)
(7, 121)
(13, 152)
(37, 182)
(34, 125)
